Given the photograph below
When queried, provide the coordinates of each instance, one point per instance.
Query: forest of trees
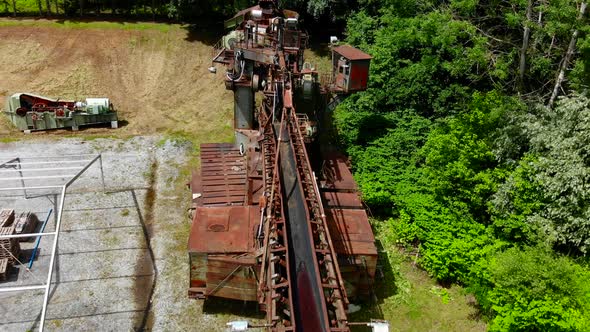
(178, 10)
(473, 145)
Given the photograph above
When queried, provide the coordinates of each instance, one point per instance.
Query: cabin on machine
(350, 69)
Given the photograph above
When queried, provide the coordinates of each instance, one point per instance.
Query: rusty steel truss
(269, 225)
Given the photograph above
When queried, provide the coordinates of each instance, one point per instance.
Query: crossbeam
(47, 162)
(39, 169)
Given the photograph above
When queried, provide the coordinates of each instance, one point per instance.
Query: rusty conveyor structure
(300, 281)
(269, 225)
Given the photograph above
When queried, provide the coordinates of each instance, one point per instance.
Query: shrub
(531, 289)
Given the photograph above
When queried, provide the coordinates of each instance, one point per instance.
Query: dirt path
(158, 80)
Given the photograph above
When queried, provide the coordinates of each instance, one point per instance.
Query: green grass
(92, 137)
(9, 139)
(176, 137)
(30, 7)
(322, 63)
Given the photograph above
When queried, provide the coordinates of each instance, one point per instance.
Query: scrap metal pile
(277, 215)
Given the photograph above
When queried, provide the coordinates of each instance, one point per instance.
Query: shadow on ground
(384, 287)
(216, 306)
(207, 32)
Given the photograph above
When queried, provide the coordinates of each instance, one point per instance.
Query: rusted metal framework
(25, 185)
(274, 288)
(300, 222)
(328, 273)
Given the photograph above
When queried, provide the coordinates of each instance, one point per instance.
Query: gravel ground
(105, 278)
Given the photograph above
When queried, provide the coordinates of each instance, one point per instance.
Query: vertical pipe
(101, 172)
(256, 35)
(274, 102)
(52, 261)
(39, 239)
(22, 181)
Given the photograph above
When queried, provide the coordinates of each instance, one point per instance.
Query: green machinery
(29, 112)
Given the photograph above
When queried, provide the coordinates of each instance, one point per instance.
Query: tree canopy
(460, 144)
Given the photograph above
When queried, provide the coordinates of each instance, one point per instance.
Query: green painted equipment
(29, 112)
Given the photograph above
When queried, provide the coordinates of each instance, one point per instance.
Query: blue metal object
(39, 239)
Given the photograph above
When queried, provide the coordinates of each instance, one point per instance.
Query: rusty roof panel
(349, 200)
(351, 232)
(223, 229)
(336, 173)
(351, 53)
(224, 201)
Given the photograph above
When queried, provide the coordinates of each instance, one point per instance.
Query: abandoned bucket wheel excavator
(277, 216)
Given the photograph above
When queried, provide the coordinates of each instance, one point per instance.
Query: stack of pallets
(9, 248)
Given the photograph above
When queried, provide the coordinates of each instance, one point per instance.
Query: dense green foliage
(556, 173)
(453, 146)
(170, 9)
(531, 289)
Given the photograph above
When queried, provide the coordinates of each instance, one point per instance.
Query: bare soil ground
(158, 80)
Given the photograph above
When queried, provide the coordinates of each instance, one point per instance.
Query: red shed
(350, 68)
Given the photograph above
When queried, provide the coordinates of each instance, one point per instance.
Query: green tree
(551, 187)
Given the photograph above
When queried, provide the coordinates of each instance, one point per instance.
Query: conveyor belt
(301, 287)
(310, 309)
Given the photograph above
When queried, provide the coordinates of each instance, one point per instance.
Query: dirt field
(156, 78)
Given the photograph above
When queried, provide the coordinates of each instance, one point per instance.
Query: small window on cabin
(340, 69)
(347, 71)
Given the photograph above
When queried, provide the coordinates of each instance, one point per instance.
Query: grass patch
(93, 137)
(111, 240)
(102, 25)
(57, 323)
(177, 138)
(9, 139)
(322, 63)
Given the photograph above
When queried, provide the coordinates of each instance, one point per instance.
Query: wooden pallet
(6, 217)
(3, 268)
(9, 248)
(25, 223)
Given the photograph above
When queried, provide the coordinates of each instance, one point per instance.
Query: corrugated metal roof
(351, 53)
(223, 174)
